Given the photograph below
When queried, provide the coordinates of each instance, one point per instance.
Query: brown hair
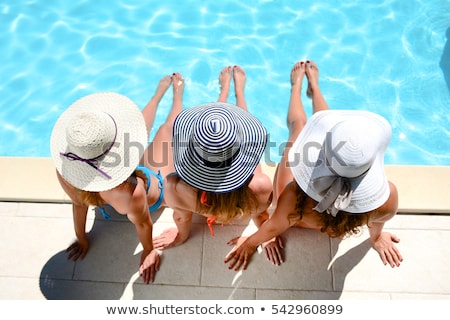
(94, 198)
(344, 224)
(227, 206)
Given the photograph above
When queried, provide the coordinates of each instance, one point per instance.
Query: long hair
(227, 206)
(94, 198)
(344, 224)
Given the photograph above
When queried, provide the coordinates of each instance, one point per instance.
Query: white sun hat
(98, 141)
(217, 146)
(338, 160)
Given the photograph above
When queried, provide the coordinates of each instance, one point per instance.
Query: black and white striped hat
(217, 146)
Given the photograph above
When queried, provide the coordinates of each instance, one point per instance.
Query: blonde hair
(227, 206)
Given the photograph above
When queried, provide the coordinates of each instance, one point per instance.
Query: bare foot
(297, 73)
(162, 87)
(312, 73)
(178, 86)
(239, 77)
(224, 80)
(149, 111)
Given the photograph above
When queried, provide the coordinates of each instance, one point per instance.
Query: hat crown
(216, 135)
(351, 147)
(90, 134)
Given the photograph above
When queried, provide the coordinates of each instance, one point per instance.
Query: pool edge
(422, 189)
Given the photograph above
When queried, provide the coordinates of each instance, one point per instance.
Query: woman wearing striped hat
(217, 150)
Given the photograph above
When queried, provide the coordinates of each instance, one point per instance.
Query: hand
(241, 253)
(272, 249)
(384, 245)
(150, 260)
(78, 249)
(169, 238)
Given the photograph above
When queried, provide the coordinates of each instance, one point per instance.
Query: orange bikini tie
(210, 220)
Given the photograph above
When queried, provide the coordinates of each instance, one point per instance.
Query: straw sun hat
(98, 141)
(338, 160)
(217, 146)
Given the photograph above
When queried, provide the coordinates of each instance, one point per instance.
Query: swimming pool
(391, 57)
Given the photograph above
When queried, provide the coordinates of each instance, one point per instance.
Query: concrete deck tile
(168, 292)
(419, 222)
(357, 267)
(9, 209)
(29, 242)
(315, 267)
(182, 265)
(273, 294)
(81, 290)
(305, 251)
(111, 255)
(16, 288)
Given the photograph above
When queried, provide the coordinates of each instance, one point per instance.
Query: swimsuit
(209, 220)
(148, 173)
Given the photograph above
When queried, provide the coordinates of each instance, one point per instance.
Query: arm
(175, 236)
(139, 216)
(80, 247)
(273, 227)
(383, 242)
(261, 186)
(181, 215)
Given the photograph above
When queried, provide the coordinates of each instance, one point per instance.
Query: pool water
(391, 57)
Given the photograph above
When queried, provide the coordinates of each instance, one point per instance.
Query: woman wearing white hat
(331, 179)
(99, 147)
(217, 149)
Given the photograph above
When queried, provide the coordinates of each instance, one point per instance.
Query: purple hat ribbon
(93, 162)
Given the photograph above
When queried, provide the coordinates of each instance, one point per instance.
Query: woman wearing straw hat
(331, 179)
(99, 149)
(217, 149)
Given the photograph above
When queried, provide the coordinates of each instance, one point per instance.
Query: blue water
(391, 57)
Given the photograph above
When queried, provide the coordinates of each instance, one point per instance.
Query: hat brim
(195, 172)
(124, 155)
(306, 160)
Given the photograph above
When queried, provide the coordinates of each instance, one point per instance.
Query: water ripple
(386, 56)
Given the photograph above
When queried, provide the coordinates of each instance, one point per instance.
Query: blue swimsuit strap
(153, 207)
(158, 176)
(157, 204)
(103, 211)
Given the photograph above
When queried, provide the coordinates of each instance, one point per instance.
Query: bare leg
(159, 154)
(312, 73)
(149, 111)
(224, 80)
(296, 120)
(239, 86)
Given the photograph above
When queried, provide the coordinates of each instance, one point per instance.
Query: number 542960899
(307, 309)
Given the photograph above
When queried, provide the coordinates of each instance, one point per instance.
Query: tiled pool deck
(37, 227)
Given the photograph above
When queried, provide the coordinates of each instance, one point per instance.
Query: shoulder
(260, 183)
(173, 184)
(391, 204)
(178, 194)
(71, 191)
(388, 209)
(289, 194)
(286, 205)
